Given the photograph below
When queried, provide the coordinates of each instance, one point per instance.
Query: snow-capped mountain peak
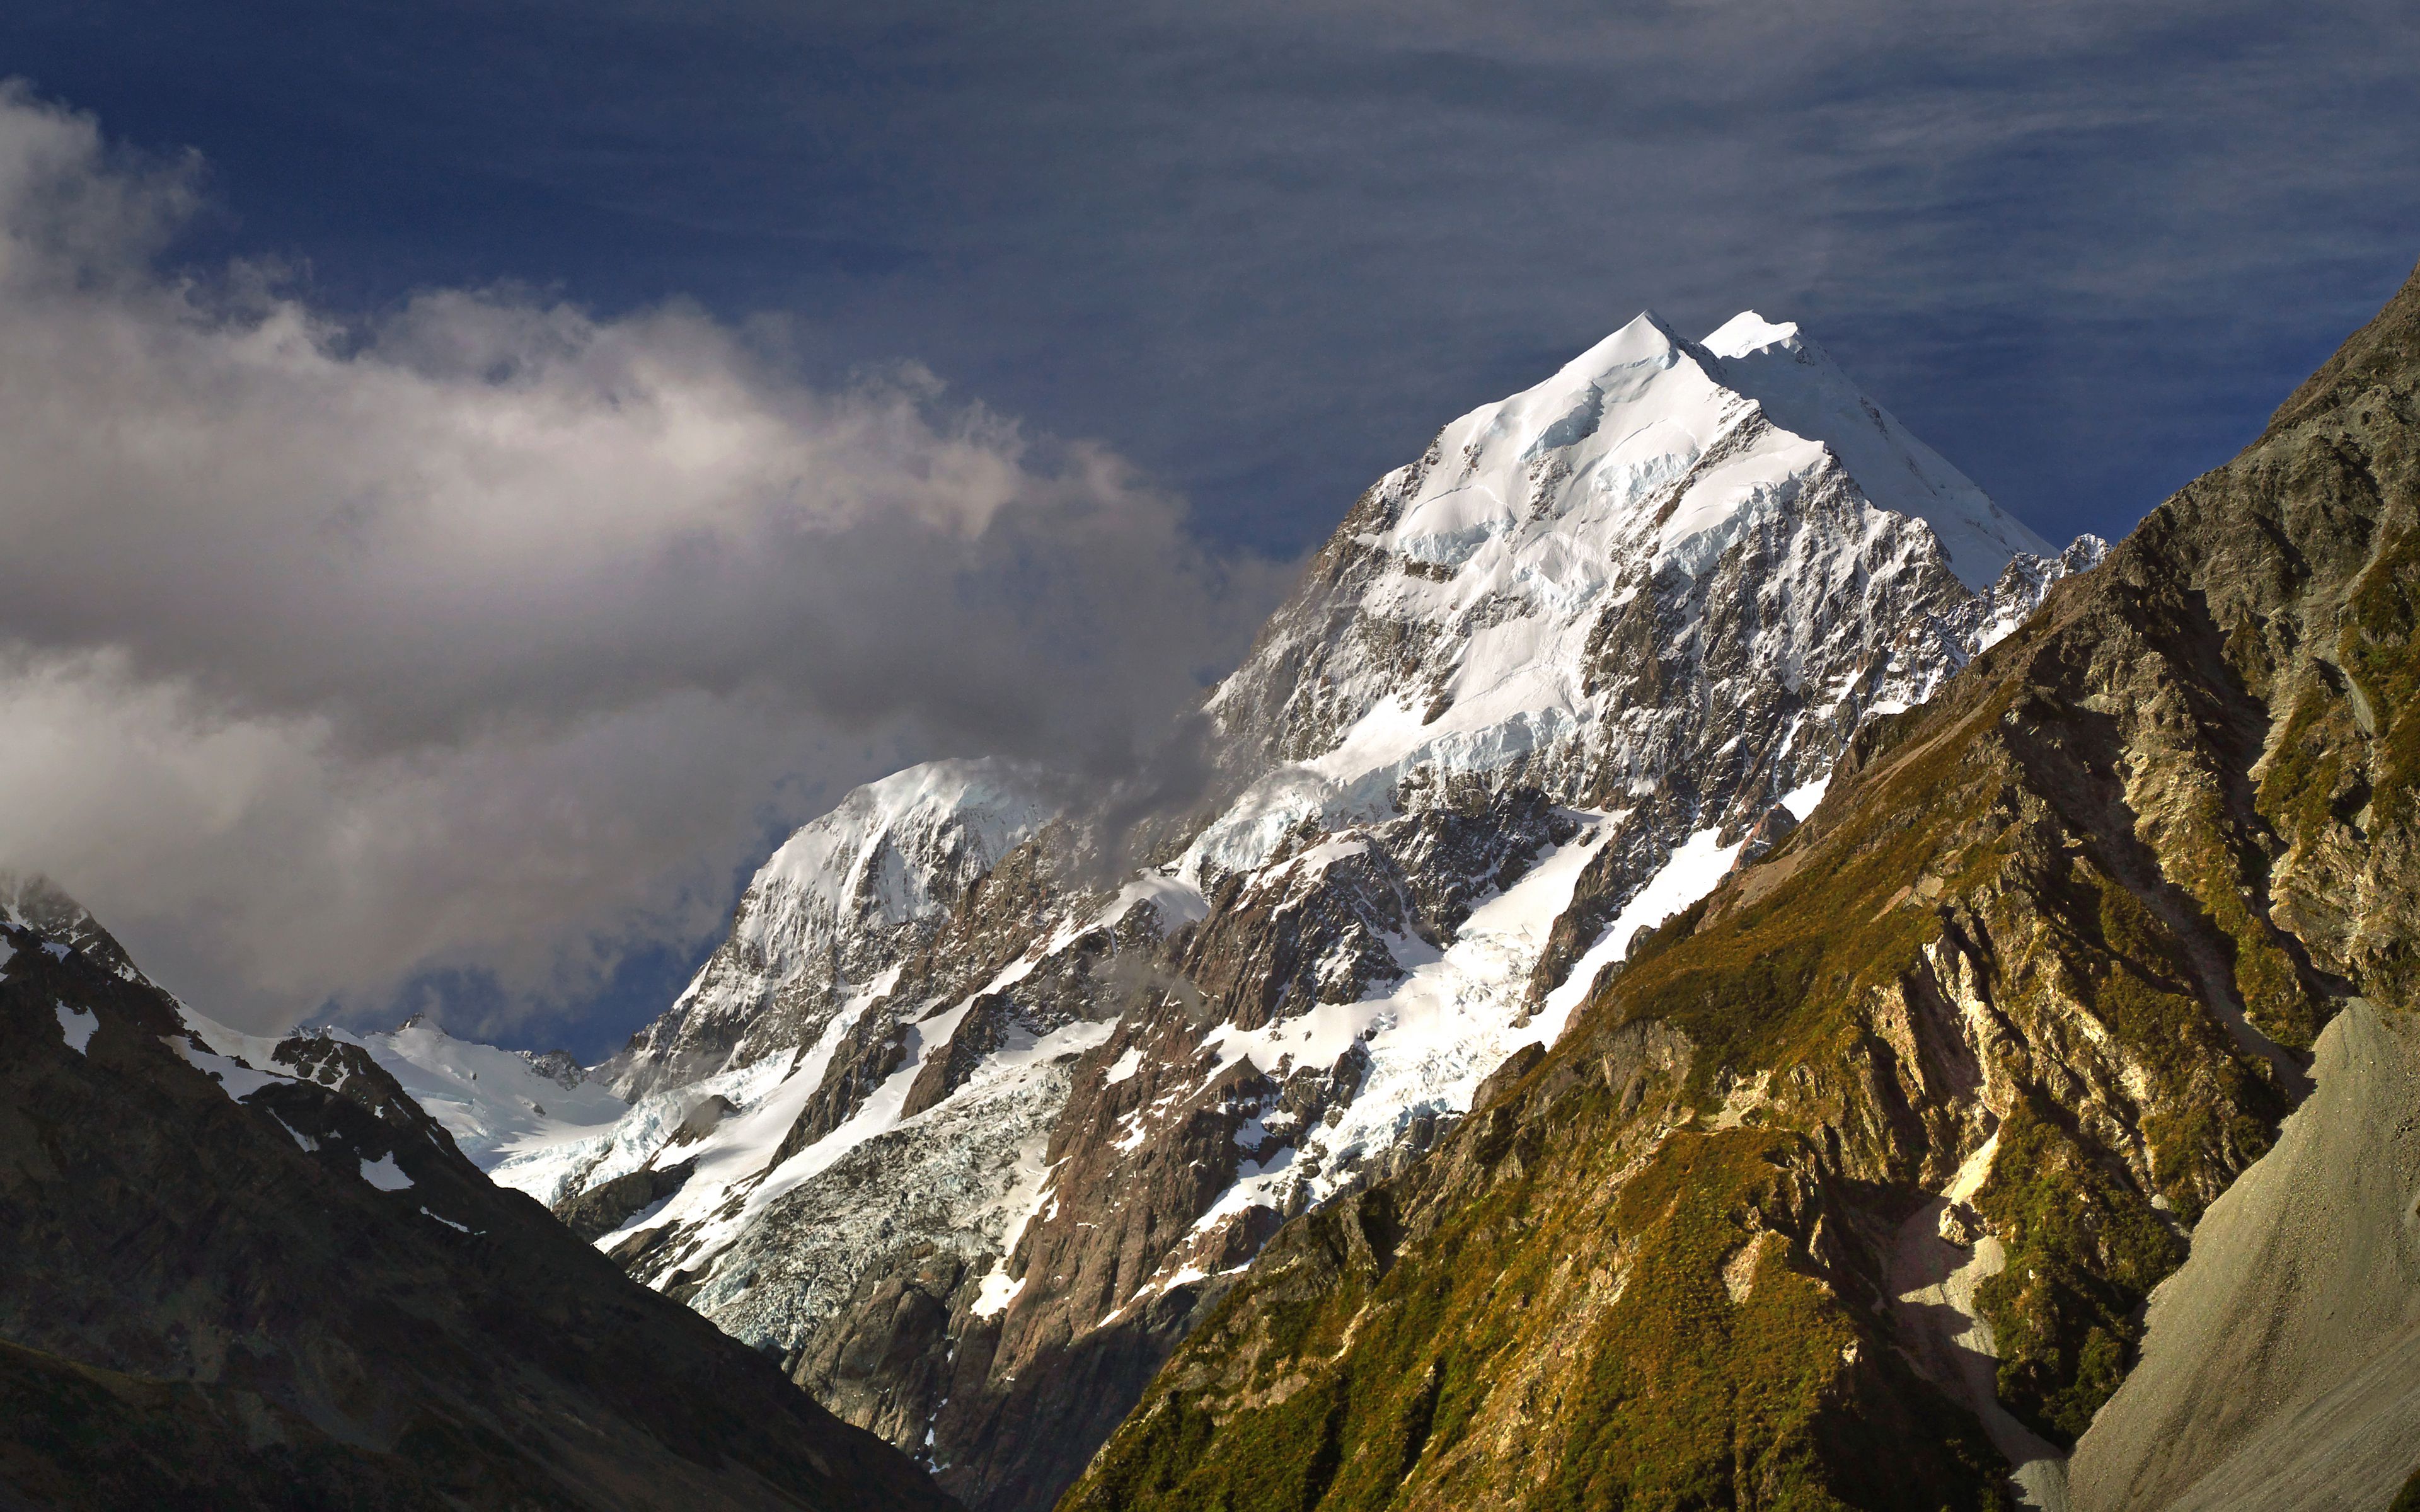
(1494, 605)
(849, 894)
(858, 854)
(1542, 687)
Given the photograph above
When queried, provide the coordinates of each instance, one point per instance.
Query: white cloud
(485, 631)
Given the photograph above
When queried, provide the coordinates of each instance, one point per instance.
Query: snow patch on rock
(76, 1026)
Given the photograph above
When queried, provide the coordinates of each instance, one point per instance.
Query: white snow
(1179, 901)
(848, 894)
(734, 1181)
(1801, 390)
(492, 1101)
(1645, 454)
(310, 1145)
(732, 1189)
(385, 1174)
(1801, 801)
(842, 855)
(876, 1114)
(880, 1112)
(226, 1062)
(768, 1096)
(1125, 1066)
(1688, 876)
(1026, 1199)
(256, 1049)
(1430, 1039)
(76, 1026)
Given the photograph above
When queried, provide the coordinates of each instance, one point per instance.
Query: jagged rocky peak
(560, 1067)
(847, 896)
(29, 900)
(1659, 555)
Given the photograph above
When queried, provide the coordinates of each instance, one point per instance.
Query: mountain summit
(1801, 390)
(968, 1137)
(1582, 581)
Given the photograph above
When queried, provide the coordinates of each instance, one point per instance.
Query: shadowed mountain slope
(245, 1274)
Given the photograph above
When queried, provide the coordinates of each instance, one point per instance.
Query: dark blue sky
(1265, 250)
(2082, 252)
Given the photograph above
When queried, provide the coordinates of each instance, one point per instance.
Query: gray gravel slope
(2281, 1369)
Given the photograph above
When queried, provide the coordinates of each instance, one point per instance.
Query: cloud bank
(489, 635)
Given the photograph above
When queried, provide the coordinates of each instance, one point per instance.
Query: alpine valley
(1696, 962)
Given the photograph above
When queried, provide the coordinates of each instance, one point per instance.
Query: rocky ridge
(847, 895)
(1849, 1187)
(983, 1130)
(247, 1272)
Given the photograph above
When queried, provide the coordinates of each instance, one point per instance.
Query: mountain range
(2089, 984)
(1696, 962)
(968, 1124)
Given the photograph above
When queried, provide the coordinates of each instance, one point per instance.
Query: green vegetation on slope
(2083, 1255)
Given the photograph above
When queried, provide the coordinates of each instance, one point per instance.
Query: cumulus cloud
(487, 634)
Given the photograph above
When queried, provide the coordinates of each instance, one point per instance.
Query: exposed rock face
(991, 1154)
(609, 1204)
(847, 896)
(1848, 1188)
(244, 1273)
(560, 1067)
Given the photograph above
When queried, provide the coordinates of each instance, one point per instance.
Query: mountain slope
(1848, 1188)
(244, 1273)
(497, 1104)
(972, 1167)
(2282, 1364)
